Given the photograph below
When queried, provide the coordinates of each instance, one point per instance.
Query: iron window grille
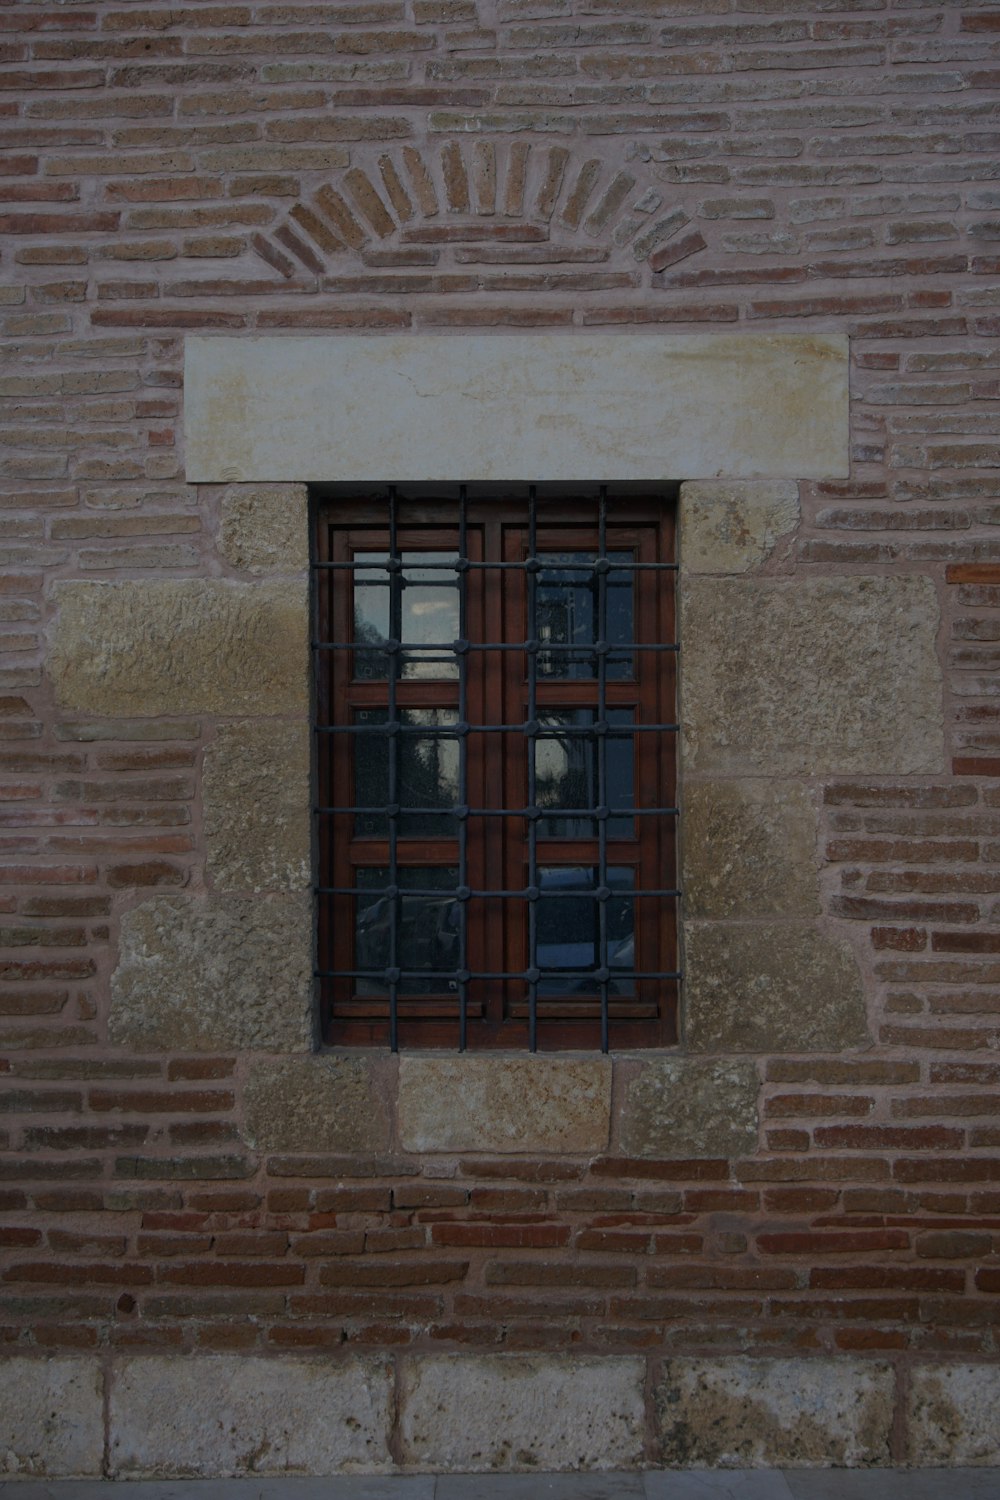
(496, 768)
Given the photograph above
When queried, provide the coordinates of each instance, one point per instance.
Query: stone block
(734, 1412)
(749, 849)
(237, 1414)
(227, 971)
(504, 1412)
(515, 407)
(256, 786)
(770, 987)
(265, 528)
(51, 1418)
(504, 1104)
(811, 677)
(731, 528)
(952, 1415)
(182, 646)
(317, 1103)
(691, 1107)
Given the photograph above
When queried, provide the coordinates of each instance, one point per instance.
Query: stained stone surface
(256, 787)
(731, 528)
(237, 1414)
(953, 1414)
(770, 987)
(182, 646)
(691, 1107)
(508, 1412)
(749, 849)
(51, 1418)
(265, 529)
(515, 407)
(229, 971)
(317, 1103)
(811, 676)
(734, 1412)
(504, 1104)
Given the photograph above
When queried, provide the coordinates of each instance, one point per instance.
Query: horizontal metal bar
(504, 812)
(535, 732)
(453, 975)
(448, 649)
(629, 893)
(464, 565)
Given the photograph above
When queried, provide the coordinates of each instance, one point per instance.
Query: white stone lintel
(499, 407)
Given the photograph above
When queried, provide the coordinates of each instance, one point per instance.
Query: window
(495, 693)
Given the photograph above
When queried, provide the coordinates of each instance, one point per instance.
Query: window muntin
(495, 767)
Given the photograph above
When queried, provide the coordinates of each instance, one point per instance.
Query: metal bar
(405, 974)
(602, 757)
(392, 808)
(437, 893)
(463, 776)
(416, 729)
(533, 884)
(567, 567)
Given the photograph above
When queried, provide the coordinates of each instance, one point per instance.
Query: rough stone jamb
(539, 194)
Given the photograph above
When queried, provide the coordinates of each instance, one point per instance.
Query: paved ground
(732, 1484)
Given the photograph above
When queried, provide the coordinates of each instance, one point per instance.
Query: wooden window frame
(496, 529)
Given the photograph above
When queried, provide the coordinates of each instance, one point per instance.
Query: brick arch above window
(502, 211)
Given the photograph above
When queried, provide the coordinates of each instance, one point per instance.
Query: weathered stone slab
(815, 676)
(731, 1412)
(749, 849)
(516, 407)
(731, 528)
(770, 987)
(265, 528)
(317, 1103)
(229, 971)
(952, 1414)
(504, 1104)
(182, 646)
(256, 787)
(504, 1412)
(224, 1415)
(690, 1107)
(51, 1418)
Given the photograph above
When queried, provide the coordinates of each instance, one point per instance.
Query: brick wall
(444, 165)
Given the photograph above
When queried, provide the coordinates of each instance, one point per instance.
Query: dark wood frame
(496, 610)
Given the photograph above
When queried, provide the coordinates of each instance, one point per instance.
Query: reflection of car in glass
(427, 937)
(568, 934)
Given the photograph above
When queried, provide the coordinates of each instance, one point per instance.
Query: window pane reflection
(427, 927)
(566, 608)
(426, 773)
(568, 930)
(566, 772)
(419, 607)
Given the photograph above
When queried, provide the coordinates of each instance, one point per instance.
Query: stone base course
(232, 1415)
(215, 1416)
(749, 1413)
(501, 1412)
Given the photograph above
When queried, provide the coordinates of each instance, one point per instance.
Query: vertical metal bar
(602, 756)
(532, 636)
(395, 636)
(463, 773)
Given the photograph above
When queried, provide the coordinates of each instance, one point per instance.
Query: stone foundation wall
(777, 1243)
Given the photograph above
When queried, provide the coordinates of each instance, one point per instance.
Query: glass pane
(566, 608)
(422, 607)
(568, 930)
(426, 771)
(566, 772)
(427, 927)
